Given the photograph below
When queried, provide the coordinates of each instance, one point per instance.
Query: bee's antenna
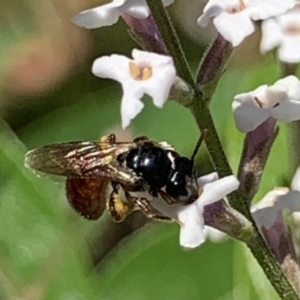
(199, 142)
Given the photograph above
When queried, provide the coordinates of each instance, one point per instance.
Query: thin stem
(171, 40)
(271, 268)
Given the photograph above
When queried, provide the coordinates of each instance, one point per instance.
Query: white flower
(214, 235)
(280, 101)
(147, 73)
(283, 32)
(266, 210)
(295, 185)
(108, 14)
(233, 18)
(190, 217)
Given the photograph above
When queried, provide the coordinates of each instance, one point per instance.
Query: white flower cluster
(283, 32)
(233, 18)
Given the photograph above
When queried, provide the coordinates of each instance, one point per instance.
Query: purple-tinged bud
(213, 64)
(257, 147)
(145, 32)
(279, 239)
(268, 216)
(221, 216)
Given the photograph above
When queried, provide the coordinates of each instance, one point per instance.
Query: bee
(142, 165)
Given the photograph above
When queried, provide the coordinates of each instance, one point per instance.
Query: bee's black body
(142, 165)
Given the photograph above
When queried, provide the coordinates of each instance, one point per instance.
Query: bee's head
(182, 186)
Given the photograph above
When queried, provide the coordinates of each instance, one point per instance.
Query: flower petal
(217, 190)
(207, 178)
(265, 211)
(163, 75)
(160, 84)
(296, 180)
(271, 35)
(234, 27)
(150, 58)
(131, 104)
(214, 234)
(136, 8)
(290, 85)
(114, 67)
(192, 228)
(290, 201)
(209, 12)
(100, 16)
(287, 111)
(263, 9)
(289, 51)
(191, 216)
(247, 115)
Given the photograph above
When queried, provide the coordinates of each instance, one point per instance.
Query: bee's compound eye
(184, 165)
(176, 186)
(182, 188)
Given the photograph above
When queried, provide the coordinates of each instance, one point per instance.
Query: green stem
(171, 40)
(204, 121)
(271, 268)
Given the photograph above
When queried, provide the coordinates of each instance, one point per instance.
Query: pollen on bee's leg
(104, 139)
(117, 207)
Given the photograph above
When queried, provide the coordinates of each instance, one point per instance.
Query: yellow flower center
(139, 73)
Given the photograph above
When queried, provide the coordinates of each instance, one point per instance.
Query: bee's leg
(118, 208)
(145, 206)
(123, 176)
(167, 198)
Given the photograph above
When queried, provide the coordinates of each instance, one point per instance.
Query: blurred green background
(47, 95)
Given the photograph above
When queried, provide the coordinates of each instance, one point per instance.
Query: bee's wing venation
(72, 158)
